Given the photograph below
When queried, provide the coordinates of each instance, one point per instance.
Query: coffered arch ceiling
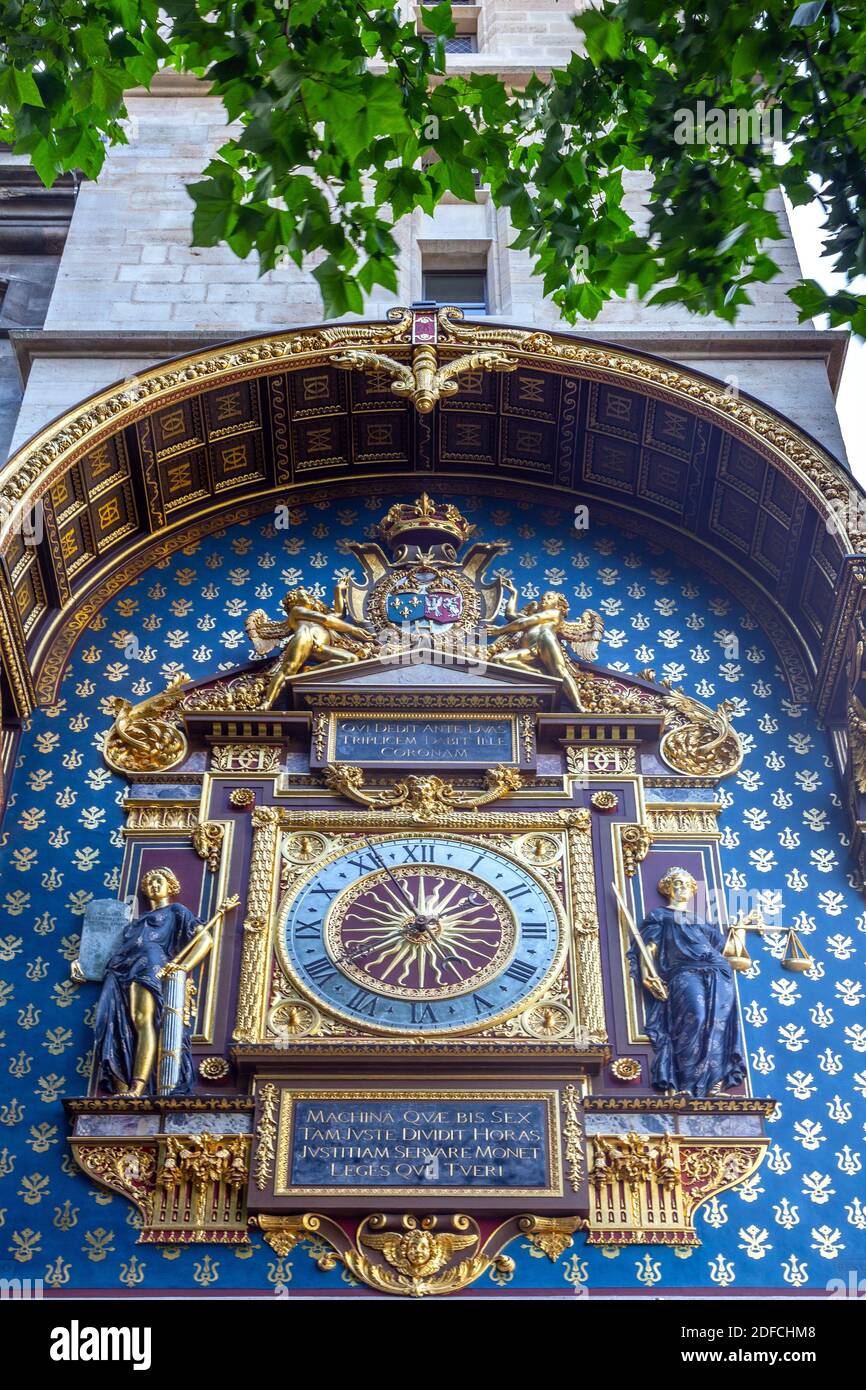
(146, 466)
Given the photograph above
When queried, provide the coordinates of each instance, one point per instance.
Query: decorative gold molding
(245, 757)
(266, 1135)
(249, 1019)
(493, 822)
(572, 1132)
(675, 819)
(585, 932)
(645, 1189)
(600, 760)
(161, 816)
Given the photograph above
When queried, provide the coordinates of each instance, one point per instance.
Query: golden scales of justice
(795, 957)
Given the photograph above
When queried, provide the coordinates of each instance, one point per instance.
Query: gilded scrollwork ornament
(425, 381)
(410, 1256)
(636, 841)
(207, 840)
(236, 693)
(552, 1235)
(129, 1169)
(147, 737)
(699, 741)
(426, 797)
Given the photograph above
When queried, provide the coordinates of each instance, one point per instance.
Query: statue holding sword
(141, 1015)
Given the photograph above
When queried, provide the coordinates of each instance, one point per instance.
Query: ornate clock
(421, 934)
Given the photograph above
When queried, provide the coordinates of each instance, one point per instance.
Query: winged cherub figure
(536, 636)
(311, 631)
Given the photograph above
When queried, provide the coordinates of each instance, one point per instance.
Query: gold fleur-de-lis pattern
(798, 1223)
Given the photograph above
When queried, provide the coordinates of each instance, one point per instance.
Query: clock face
(421, 933)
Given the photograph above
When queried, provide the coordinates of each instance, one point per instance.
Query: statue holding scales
(690, 1001)
(141, 1018)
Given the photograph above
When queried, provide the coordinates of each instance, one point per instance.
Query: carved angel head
(555, 600)
(296, 597)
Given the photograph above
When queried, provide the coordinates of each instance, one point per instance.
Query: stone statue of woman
(690, 1000)
(166, 938)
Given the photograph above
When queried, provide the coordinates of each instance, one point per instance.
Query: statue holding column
(690, 996)
(142, 1027)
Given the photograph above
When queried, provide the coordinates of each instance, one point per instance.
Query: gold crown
(424, 522)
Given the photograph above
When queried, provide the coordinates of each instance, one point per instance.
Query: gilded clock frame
(576, 908)
(527, 1001)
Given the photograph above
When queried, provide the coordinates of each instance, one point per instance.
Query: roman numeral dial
(421, 934)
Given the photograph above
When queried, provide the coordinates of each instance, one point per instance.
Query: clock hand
(421, 923)
(420, 919)
(400, 889)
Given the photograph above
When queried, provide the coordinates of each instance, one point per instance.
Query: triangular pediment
(424, 676)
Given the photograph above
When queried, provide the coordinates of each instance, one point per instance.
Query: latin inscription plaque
(421, 1143)
(419, 739)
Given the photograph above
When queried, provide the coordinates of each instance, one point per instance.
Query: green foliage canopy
(344, 119)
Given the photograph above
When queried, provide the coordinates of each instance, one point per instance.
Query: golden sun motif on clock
(416, 934)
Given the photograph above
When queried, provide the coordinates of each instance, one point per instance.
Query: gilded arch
(146, 466)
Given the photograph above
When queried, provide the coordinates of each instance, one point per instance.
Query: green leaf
(18, 88)
(340, 295)
(215, 214)
(438, 20)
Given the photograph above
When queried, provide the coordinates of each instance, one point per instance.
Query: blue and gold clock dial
(421, 934)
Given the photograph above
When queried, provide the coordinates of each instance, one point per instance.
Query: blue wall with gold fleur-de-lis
(796, 1225)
